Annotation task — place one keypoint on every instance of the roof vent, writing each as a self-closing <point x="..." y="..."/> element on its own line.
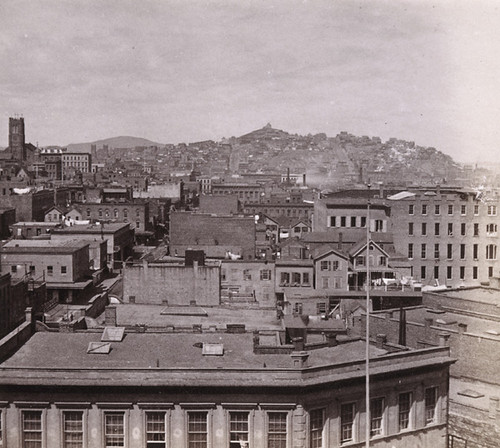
<point x="113" y="334"/>
<point x="212" y="349"/>
<point x="98" y="348"/>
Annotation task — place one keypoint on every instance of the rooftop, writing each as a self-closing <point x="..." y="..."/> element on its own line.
<point x="93" y="228"/>
<point x="175" y="360"/>
<point x="43" y="246"/>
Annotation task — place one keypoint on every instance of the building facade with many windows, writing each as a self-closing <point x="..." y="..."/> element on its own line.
<point x="76" y="390"/>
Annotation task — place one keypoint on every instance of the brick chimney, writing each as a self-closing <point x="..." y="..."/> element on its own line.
<point x="299" y="359"/>
<point x="110" y="316"/>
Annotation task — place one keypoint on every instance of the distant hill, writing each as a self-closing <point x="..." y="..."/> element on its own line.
<point x="123" y="141"/>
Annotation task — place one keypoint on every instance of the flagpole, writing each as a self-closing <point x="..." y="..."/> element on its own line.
<point x="367" y="331"/>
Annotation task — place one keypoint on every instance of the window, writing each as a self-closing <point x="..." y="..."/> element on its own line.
<point x="410" y="228"/>
<point x="404" y="403"/>
<point x="285" y="279"/>
<point x="360" y="260"/>
<point x="353" y="221"/>
<point x="114" y="429"/>
<point x="156" y="429"/>
<point x="476" y="209"/>
<point x="197" y="432"/>
<point x="462" y="229"/>
<point x="325" y="266"/>
<point x="437" y="209"/>
<point x="32" y="429"/>
<point x="450" y="209"/>
<point x="492" y="210"/>
<point x="382" y="260"/>
<point x="238" y="429"/>
<point x="377" y="416"/>
<point x="335" y="265"/>
<point x="476" y="229"/>
<point x="297" y="308"/>
<point x="13" y="268"/>
<point x="305" y="278"/>
<point x="125" y="213"/>
<point x="363" y="221"/>
<point x="64" y="270"/>
<point x="449" y="251"/>
<point x="490" y="271"/>
<point x="379" y="225"/>
<point x="436" y="250"/>
<point x="462" y="251"/>
<point x="423" y="252"/>
<point x="424" y="229"/>
<point x="436" y="272"/>
<point x="422" y="272"/>
<point x="463" y="210"/>
<point x="50" y="270"/>
<point x="333" y="221"/>
<point x="450" y="229"/>
<point x="295" y="278"/>
<point x="325" y="282"/>
<point x="410" y="250"/>
<point x="491" y="229"/>
<point x="317" y="421"/>
<point x="424" y="209"/>
<point x="247" y="275"/>
<point x="411" y="209"/>
<point x="430" y="405"/>
<point x="72" y="429"/>
<point x="342" y="221"/>
<point x="475" y="272"/>
<point x="449" y="272"/>
<point x="475" y="251"/>
<point x="265" y="274"/>
<point x="436" y="229"/>
<point x="491" y="252"/>
<point x="347" y="415"/>
<point x="276" y="431"/>
<point x="321" y="308"/>
<point x="115" y="213"/>
<point x="462" y="272"/>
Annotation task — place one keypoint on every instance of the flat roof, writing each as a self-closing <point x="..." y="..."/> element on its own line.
<point x="187" y="316"/>
<point x="490" y="296"/>
<point x="42" y="246"/>
<point x="176" y="360"/>
<point x="93" y="228"/>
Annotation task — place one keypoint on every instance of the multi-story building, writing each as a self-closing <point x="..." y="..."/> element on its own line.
<point x="219" y="389"/>
<point x="7" y="219"/>
<point x="64" y="265"/>
<point x="119" y="237"/>
<point x="450" y="236"/>
<point x="76" y="161"/>
<point x="135" y="213"/>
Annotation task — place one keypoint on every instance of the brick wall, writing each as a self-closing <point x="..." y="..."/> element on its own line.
<point x="171" y="284"/>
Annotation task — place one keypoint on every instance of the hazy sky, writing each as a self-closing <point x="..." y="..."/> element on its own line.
<point x="175" y="71"/>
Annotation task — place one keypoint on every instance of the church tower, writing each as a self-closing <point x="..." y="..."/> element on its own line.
<point x="16" y="139"/>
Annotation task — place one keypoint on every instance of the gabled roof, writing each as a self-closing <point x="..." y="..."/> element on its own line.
<point x="361" y="245"/>
<point x="325" y="251"/>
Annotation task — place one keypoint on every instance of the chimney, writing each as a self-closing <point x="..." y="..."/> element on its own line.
<point x="381" y="190"/>
<point x="110" y="316"/>
<point x="462" y="328"/>
<point x="428" y="322"/>
<point x="304" y="179"/>
<point x="381" y="340"/>
<point x="402" y="326"/>
<point x="299" y="359"/>
<point x="443" y="339"/>
<point x="298" y="344"/>
<point x="29" y="315"/>
<point x="331" y="339"/>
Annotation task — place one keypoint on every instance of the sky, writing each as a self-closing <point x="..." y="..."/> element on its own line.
<point x="190" y="70"/>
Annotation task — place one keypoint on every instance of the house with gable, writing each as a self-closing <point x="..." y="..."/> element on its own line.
<point x="331" y="269"/>
<point x="376" y="259"/>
